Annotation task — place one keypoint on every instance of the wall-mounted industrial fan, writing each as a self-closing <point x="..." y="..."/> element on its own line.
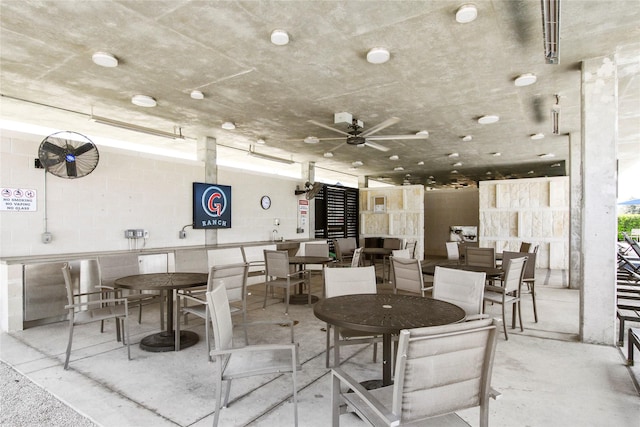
<point x="68" y="154"/>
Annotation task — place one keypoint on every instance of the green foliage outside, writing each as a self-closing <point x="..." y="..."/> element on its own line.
<point x="626" y="222"/>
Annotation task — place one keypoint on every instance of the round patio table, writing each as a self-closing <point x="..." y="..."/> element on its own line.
<point x="302" y="260"/>
<point x="164" y="341"/>
<point x="386" y="314"/>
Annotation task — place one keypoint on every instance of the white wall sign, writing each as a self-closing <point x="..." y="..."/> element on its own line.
<point x="18" y="199"/>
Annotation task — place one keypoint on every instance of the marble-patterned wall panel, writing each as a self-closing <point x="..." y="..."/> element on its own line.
<point x="395" y="200"/>
<point x="524" y="224"/>
<point x="406" y="224"/>
<point x="535" y="190"/>
<point x="512" y="222"/>
<point x="560" y="223"/>
<point x="414" y="198"/>
<point x="487" y="196"/>
<point x="503" y="196"/>
<point x="489" y="222"/>
<point x="558" y="193"/>
<point x="375" y="224"/>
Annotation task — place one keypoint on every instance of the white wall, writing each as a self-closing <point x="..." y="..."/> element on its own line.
<point x="130" y="190"/>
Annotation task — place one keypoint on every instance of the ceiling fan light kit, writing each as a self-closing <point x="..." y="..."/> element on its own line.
<point x="311" y="140"/>
<point x="104" y="59"/>
<point x="378" y="55"/>
<point x="143" y="101"/>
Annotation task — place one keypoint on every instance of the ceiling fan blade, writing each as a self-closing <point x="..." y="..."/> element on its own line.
<point x="338" y="138"/>
<point x="48" y="146"/>
<point x="83" y="149"/>
<point x="376" y="146"/>
<point x="71" y="168"/>
<point x="328" y="127"/>
<point x="389" y="137"/>
<point x="380" y="126"/>
<point x="338" y="146"/>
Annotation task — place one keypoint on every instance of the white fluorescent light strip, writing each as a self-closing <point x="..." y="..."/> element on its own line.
<point x="268" y="157"/>
<point x="135" y="128"/>
<point x="551" y="30"/>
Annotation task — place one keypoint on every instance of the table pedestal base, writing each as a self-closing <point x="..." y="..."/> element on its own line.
<point x="302" y="299"/>
<point x="164" y="341"/>
<point x="372" y="384"/>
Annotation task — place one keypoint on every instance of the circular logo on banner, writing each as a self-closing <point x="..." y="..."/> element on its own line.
<point x="214" y="202"/>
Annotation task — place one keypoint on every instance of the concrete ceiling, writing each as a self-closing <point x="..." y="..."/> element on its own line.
<point x="441" y="77"/>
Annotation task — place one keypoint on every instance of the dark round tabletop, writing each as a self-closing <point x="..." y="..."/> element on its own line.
<point x="386" y="313"/>
<point x="162" y="281"/>
<point x="490" y="271"/>
<point x="377" y="251"/>
<point x="307" y="259"/>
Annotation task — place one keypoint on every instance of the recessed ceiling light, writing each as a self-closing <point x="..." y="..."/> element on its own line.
<point x="525" y="79"/>
<point x="143" y="101"/>
<point x="378" y="55"/>
<point x="467" y="138"/>
<point x="328" y="154"/>
<point x="398" y="168"/>
<point x="536" y="136"/>
<point x="457" y="164"/>
<point x="196" y="94"/>
<point x="491" y="118"/>
<point x="357" y="163"/>
<point x="423" y="133"/>
<point x="496" y="154"/>
<point x="311" y="140"/>
<point x="452" y="155"/>
<point x="104" y="59"/>
<point x="546" y="155"/>
<point x="420" y="163"/>
<point x="279" y="37"/>
<point x="260" y="141"/>
<point x="466" y="13"/>
<point x="228" y="125"/>
<point x="394" y="157"/>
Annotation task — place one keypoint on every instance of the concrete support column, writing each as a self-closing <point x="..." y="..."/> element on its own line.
<point x="599" y="135"/>
<point x="576" y="196"/>
<point x="308" y="171"/>
<point x="363" y="181"/>
<point x="207" y="152"/>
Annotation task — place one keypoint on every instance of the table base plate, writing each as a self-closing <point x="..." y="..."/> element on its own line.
<point x="164" y="341"/>
<point x="301" y="299"/>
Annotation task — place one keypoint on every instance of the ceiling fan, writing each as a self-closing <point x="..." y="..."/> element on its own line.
<point x="357" y="136"/>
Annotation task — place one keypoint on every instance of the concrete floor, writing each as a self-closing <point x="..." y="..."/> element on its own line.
<point x="546" y="377"/>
